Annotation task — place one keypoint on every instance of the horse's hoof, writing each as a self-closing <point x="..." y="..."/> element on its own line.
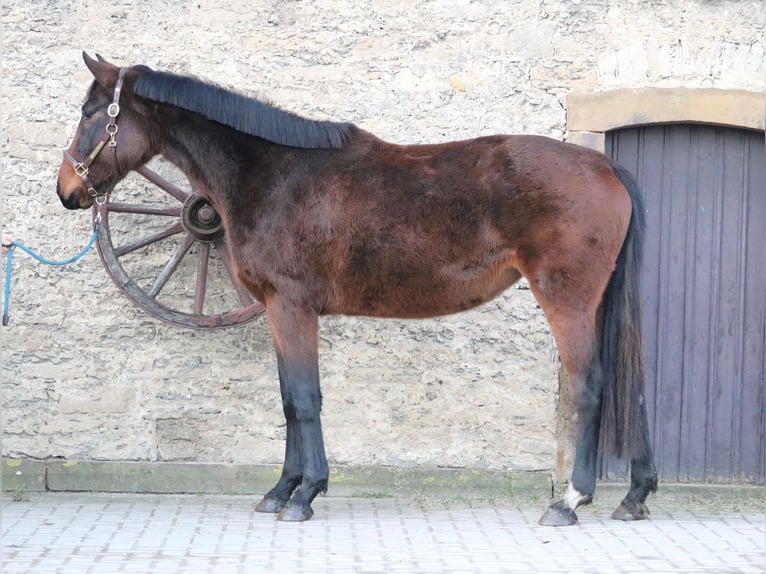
<point x="558" y="515"/>
<point x="295" y="513"/>
<point x="628" y="512"/>
<point x="269" y="505"/>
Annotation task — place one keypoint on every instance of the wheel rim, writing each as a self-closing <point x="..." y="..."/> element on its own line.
<point x="172" y="241"/>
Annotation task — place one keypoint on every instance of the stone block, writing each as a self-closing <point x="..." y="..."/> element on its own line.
<point x="23" y="475"/>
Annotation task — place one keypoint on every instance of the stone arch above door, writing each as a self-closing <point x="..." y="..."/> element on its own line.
<point x="591" y="114"/>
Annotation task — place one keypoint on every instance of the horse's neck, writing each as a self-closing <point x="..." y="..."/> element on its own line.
<point x="216" y="160"/>
<point x="203" y="156"/>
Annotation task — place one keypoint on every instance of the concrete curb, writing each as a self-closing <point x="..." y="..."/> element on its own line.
<point x="201" y="478"/>
<point x="22" y="476"/>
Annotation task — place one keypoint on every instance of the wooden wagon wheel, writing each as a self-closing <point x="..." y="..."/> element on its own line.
<point x="182" y="233"/>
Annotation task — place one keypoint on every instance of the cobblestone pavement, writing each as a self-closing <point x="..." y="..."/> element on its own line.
<point x="105" y="533"/>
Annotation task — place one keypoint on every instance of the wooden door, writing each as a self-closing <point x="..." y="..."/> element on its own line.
<point x="703" y="297"/>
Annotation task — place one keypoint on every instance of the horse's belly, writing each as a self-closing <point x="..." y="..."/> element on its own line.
<point x="478" y="287"/>
<point x="449" y="290"/>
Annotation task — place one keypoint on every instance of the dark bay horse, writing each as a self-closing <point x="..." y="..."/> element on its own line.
<point x="325" y="218"/>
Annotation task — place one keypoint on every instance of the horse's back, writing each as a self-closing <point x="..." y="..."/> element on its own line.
<point x="534" y="175"/>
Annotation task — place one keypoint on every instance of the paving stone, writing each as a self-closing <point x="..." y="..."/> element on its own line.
<point x="79" y="533"/>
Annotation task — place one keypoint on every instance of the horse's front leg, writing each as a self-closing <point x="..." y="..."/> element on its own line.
<point x="292" y="470"/>
<point x="305" y="472"/>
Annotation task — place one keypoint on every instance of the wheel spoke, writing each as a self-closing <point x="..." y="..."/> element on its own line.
<point x="201" y="229"/>
<point x="145" y="209"/>
<point x="167" y="232"/>
<point x="201" y="285"/>
<point x="243" y="294"/>
<point x="163" y="184"/>
<point x="171" y="266"/>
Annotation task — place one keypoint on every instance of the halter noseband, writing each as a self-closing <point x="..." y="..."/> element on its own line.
<point x="81" y="168"/>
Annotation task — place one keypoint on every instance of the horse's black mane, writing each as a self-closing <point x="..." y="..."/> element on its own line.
<point x="240" y="112"/>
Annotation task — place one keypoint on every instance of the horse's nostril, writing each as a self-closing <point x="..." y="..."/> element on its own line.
<point x="70" y="202"/>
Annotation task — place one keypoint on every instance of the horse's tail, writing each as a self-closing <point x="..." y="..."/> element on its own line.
<point x="621" y="349"/>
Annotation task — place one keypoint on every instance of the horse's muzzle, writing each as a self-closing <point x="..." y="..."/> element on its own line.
<point x="73" y="200"/>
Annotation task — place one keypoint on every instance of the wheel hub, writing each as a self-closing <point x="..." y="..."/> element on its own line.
<point x="201" y="221"/>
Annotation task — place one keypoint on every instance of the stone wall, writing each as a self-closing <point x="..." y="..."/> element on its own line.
<point x="87" y="375"/>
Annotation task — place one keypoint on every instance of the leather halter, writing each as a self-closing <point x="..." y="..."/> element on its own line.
<point x="81" y="168"/>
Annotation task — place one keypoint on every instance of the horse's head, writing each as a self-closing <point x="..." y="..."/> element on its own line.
<point x="112" y="137"/>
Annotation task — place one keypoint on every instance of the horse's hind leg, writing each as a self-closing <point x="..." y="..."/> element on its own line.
<point x="643" y="478"/>
<point x="582" y="482"/>
<point x="574" y="332"/>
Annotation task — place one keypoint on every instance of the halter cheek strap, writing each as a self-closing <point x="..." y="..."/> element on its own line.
<point x="82" y="168"/>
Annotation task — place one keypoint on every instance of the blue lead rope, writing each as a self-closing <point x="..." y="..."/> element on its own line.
<point x="41" y="259"/>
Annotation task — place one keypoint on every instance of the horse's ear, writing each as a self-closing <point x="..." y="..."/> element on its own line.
<point x="100" y="58"/>
<point x="104" y="72"/>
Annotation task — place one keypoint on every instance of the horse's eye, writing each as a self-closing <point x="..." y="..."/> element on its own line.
<point x="88" y="110"/>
